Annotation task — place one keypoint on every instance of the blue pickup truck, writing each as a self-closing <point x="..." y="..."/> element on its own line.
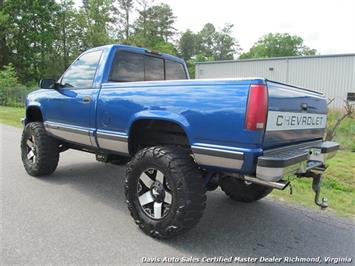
<point x="180" y="137"/>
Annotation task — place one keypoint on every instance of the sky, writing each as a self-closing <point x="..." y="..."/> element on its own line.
<point x="325" y="25"/>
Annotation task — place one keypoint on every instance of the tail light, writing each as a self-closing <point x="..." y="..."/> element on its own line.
<point x="255" y="118"/>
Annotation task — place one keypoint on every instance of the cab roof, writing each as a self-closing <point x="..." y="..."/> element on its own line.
<point x="138" y="50"/>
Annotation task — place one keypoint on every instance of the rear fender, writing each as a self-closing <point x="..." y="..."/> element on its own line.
<point x="163" y="115"/>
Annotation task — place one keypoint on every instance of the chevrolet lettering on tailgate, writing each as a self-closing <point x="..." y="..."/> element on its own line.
<point x="292" y="121"/>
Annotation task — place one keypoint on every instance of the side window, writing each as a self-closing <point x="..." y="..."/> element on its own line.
<point x="127" y="67"/>
<point x="174" y="70"/>
<point x="154" y="68"/>
<point x="82" y="72"/>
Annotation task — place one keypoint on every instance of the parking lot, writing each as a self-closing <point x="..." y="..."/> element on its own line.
<point x="79" y="216"/>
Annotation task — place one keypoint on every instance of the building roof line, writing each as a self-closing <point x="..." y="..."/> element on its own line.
<point x="277" y="58"/>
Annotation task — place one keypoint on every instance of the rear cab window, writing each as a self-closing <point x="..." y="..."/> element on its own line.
<point x="174" y="70"/>
<point x="154" y="68"/>
<point x="129" y="67"/>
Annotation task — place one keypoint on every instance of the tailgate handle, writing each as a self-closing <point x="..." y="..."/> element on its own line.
<point x="86" y="99"/>
<point x="304" y="106"/>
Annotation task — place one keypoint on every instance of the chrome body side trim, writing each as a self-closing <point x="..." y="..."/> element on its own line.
<point x="218" y="157"/>
<point x="92" y="138"/>
<point x="68" y="132"/>
<point x="113" y="141"/>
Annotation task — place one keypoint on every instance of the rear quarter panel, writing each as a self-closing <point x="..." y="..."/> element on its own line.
<point x="210" y="112"/>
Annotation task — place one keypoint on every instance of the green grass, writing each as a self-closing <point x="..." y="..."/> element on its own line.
<point x="345" y="133"/>
<point x="11" y="115"/>
<point x="338" y="185"/>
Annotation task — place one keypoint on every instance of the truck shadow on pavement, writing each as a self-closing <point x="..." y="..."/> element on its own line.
<point x="264" y="228"/>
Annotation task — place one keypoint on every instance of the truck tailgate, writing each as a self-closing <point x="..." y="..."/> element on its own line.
<point x="295" y="115"/>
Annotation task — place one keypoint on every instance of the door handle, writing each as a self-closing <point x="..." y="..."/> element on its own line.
<point x="86" y="99"/>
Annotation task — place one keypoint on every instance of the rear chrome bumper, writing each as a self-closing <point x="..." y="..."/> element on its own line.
<point x="294" y="160"/>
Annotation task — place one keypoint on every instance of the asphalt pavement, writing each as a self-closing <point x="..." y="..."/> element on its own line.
<point x="78" y="215"/>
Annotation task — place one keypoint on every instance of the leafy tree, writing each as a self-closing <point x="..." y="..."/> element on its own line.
<point x="155" y="24"/>
<point x="29" y="35"/>
<point x="278" y="44"/>
<point x="207" y="45"/>
<point x="225" y="46"/>
<point x="94" y="20"/>
<point x="154" y="28"/>
<point x="36" y="33"/>
<point x="3" y="28"/>
<point x="8" y="77"/>
<point x="143" y="13"/>
<point x="165" y="21"/>
<point x="70" y="38"/>
<point x="11" y="90"/>
<point x="187" y="45"/>
<point x="126" y="7"/>
<point x="205" y="40"/>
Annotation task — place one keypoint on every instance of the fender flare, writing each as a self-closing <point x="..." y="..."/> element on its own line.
<point x="163" y="116"/>
<point x="33" y="105"/>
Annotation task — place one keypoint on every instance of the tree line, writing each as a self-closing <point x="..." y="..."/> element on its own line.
<point x="40" y="38"/>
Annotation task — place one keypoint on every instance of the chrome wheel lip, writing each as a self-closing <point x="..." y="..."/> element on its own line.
<point x="154" y="196"/>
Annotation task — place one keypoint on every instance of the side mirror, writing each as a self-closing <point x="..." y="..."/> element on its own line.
<point x="46" y="83"/>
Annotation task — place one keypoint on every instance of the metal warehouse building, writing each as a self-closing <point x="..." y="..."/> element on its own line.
<point x="333" y="75"/>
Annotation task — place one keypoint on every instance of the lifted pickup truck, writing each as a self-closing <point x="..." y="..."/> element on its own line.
<point x="180" y="137"/>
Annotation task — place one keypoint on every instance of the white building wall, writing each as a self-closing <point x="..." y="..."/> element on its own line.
<point x="224" y="70"/>
<point x="332" y="75"/>
<point x="262" y="69"/>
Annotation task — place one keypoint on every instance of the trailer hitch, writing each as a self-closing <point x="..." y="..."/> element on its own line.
<point x="323" y="204"/>
<point x="316" y="183"/>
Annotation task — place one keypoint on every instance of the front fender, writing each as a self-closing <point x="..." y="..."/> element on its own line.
<point x="33" y="104"/>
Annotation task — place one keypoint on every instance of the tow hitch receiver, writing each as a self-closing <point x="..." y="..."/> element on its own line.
<point x="316" y="184"/>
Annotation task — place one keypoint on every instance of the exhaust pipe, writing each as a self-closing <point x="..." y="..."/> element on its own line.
<point x="281" y="184"/>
